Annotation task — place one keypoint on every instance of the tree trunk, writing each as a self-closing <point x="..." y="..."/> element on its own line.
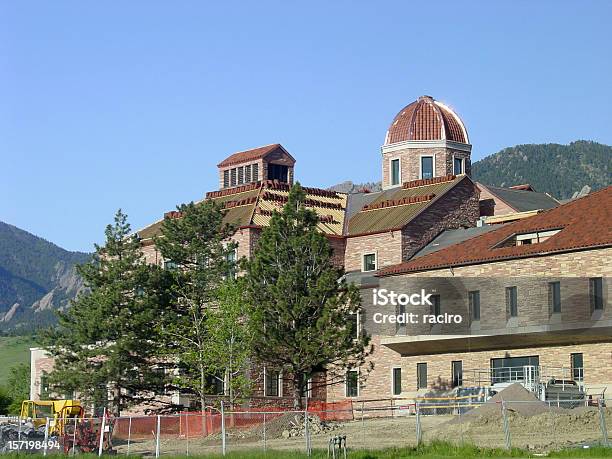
<point x="297" y="392"/>
<point x="202" y="388"/>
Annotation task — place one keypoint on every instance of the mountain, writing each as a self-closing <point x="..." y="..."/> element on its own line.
<point x="559" y="170"/>
<point x="36" y="277"/>
<point x="563" y="171"/>
<point x="350" y="187"/>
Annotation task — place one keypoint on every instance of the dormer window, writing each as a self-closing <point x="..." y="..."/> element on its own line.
<point x="535" y="237"/>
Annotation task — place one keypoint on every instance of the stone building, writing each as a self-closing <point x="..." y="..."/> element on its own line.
<point x="422" y="231"/>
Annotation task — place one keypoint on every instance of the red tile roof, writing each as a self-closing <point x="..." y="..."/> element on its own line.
<point x="249" y="155"/>
<point x="585" y="222"/>
<point x="426" y="119"/>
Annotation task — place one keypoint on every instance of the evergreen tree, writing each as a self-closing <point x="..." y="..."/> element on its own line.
<point x="301" y="304"/>
<point x="197" y="259"/>
<point x="105" y="348"/>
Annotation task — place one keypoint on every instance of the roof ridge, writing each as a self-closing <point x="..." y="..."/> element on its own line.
<point x="427" y="182"/>
<point x="408" y="200"/>
<point x="258" y="148"/>
<point x="233" y="190"/>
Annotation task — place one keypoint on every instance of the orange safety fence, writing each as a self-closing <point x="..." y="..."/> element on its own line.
<point x="332" y="411"/>
<point x="201" y="424"/>
<point x="143" y="427"/>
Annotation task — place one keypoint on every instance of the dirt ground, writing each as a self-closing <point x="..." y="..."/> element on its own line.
<point x="533" y="425"/>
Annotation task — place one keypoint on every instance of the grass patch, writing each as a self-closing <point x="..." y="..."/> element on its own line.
<point x="13" y="351"/>
<point x="433" y="450"/>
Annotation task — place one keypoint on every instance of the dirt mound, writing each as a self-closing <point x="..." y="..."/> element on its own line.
<point x="284" y="425"/>
<point x="518" y="401"/>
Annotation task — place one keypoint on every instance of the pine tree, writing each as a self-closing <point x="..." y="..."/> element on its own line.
<point x="104" y="348"/>
<point x="301" y="304"/>
<point x="197" y="253"/>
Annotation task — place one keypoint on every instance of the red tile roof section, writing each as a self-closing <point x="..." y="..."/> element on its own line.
<point x="248" y="155"/>
<point x="586" y="223"/>
<point x="425" y="119"/>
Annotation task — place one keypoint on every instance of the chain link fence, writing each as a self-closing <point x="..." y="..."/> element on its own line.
<point x="367" y="424"/>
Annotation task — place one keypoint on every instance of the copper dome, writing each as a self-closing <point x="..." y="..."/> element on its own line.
<point x="426" y="119"/>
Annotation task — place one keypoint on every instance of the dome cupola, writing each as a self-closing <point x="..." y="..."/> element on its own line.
<point x="426" y="119"/>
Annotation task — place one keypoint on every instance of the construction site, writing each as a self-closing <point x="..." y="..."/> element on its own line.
<point x="512" y="417"/>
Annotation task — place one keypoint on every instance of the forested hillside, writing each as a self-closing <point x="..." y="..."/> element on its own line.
<point x="36" y="277"/>
<point x="560" y="170"/>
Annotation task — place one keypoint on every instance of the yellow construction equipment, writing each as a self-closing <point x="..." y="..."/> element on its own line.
<point x="56" y="411"/>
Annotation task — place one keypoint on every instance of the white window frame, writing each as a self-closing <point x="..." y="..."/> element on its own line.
<point x="346" y="383"/>
<point x="280" y="384"/>
<point x="363" y="255"/>
<point x="433" y="159"/>
<point x="308" y="391"/>
<point x="399" y="159"/>
<point x="462" y="159"/>
<point x="393" y="368"/>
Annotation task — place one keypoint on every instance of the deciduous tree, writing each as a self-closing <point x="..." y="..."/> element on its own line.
<point x="197" y="255"/>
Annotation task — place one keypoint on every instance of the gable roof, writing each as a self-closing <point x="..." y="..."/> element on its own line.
<point x="584" y="223"/>
<point x="522" y="200"/>
<point x="393" y="209"/>
<point x="254" y="204"/>
<point x="252" y="155"/>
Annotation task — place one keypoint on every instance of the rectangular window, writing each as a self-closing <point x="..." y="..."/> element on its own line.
<point x="44" y="386"/>
<point x="247" y="174"/>
<point x="353" y="323"/>
<point x="255" y="172"/>
<point x="427" y="167"/>
<point x="511" y="302"/>
<point x="458" y="166"/>
<point x="306" y="386"/>
<point x="369" y="262"/>
<point x="457" y="372"/>
<point x="554" y="297"/>
<point x="170" y="265"/>
<point x="240" y="175"/>
<point x="397" y="381"/>
<point x="474" y="298"/>
<point x="435" y="308"/>
<point x="233" y="177"/>
<point x="278" y="172"/>
<point x="272" y="383"/>
<point x="216" y="384"/>
<point x="596" y="293"/>
<point x="513" y="369"/>
<point x="421" y="376"/>
<point x="230" y="257"/>
<point x="577" y="366"/>
<point x="226" y="178"/>
<point x="352" y="383"/>
<point x="395" y="172"/>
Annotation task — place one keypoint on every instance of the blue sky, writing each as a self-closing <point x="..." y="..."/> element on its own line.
<point x="132" y="104"/>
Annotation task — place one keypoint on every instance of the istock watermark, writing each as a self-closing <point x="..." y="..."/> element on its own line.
<point x="383" y="297"/>
<point x="413" y="318"/>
